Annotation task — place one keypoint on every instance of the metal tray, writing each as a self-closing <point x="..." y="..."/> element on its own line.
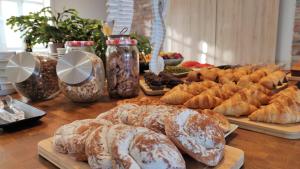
<point x="32" y="115"/>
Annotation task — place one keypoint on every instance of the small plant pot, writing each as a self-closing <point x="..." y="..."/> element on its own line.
<point x="53" y="47"/>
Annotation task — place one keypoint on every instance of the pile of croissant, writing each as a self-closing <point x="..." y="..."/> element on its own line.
<point x="143" y="136"/>
<point x="269" y="76"/>
<point x="255" y="101"/>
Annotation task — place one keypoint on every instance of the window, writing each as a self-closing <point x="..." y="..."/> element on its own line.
<point x="10" y="40"/>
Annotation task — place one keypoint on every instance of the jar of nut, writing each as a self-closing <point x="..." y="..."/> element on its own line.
<point x="33" y="75"/>
<point x="81" y="76"/>
<point x="122" y="66"/>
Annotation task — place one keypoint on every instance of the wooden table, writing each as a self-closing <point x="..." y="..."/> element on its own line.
<point x="18" y="149"/>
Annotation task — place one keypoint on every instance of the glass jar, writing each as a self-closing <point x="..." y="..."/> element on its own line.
<point x="86" y="46"/>
<point x="122" y="67"/>
<point x="33" y="76"/>
<point x="81" y="76"/>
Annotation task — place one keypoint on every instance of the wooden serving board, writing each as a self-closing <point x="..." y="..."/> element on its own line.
<point x="148" y="91"/>
<point x="233" y="159"/>
<point x="289" y="131"/>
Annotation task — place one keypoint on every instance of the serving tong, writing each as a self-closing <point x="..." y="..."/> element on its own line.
<point x="8" y="112"/>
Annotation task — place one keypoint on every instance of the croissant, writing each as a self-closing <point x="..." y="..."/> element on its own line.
<point x="277" y="112"/>
<point x="196" y="88"/>
<point x="272" y="79"/>
<point x="219" y="92"/>
<point x="232" y="107"/>
<point x="209" y="84"/>
<point x="253" y="97"/>
<point x="203" y="101"/>
<point x="257" y="75"/>
<point x="291" y="92"/>
<point x="232" y="87"/>
<point x="176" y="97"/>
<point x="226" y="78"/>
<point x="244" y="81"/>
<point x="194" y="76"/>
<point x="208" y="74"/>
<point x="259" y="87"/>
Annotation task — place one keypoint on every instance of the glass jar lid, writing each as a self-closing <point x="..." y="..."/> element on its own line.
<point x="79" y="43"/>
<point x="74" y="67"/>
<point x="120" y="40"/>
<point x="20" y="67"/>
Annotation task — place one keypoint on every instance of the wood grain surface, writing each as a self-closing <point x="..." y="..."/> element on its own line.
<point x="233" y="158"/>
<point x="18" y="149"/>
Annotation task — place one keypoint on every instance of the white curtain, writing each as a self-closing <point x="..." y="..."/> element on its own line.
<point x="10" y="40"/>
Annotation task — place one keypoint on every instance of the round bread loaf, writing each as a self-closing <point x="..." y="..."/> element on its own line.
<point x="123" y="146"/>
<point x="218" y="118"/>
<point x="197" y="135"/>
<point x="71" y="138"/>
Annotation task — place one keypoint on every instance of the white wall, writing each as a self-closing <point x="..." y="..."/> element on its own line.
<point x="94" y="9"/>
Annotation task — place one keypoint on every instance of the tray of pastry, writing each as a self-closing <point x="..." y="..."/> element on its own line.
<point x="14" y="113"/>
<point x="280" y="116"/>
<point x="129" y="134"/>
<point x="289" y="131"/>
<point x="154" y="85"/>
<point x="233" y="158"/>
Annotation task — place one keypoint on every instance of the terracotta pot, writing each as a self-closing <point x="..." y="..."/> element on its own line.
<point x="53" y="47"/>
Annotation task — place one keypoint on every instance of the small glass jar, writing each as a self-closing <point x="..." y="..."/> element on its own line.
<point x="122" y="67"/>
<point x="86" y="46"/>
<point x="81" y="76"/>
<point x="33" y="76"/>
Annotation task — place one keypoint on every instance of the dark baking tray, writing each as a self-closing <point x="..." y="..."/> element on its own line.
<point x="32" y="115"/>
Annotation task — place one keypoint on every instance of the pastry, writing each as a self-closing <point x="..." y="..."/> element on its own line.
<point x="197" y="135"/>
<point x="222" y="93"/>
<point x="232" y="107"/>
<point x="196" y="88"/>
<point x="244" y="81"/>
<point x="283" y="112"/>
<point x="194" y="76"/>
<point x="203" y="101"/>
<point x="71" y="138"/>
<point x="273" y="79"/>
<point x="291" y="92"/>
<point x="176" y="97"/>
<point x="218" y="118"/>
<point x="251" y="96"/>
<point x="257" y="75"/>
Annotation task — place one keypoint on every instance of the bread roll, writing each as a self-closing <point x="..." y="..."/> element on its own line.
<point x="123" y="146"/>
<point x="71" y="138"/>
<point x="197" y="135"/>
<point x="219" y="119"/>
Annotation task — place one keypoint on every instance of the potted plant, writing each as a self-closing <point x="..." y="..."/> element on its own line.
<point x="42" y="27"/>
